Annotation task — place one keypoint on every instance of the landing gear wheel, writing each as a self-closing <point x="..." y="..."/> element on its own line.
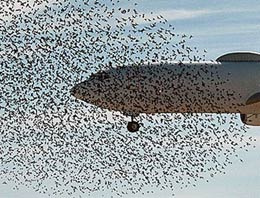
<point x="133" y="126"/>
<point x="243" y="118"/>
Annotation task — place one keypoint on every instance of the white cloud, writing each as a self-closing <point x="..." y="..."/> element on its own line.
<point x="173" y="14"/>
<point x="182" y="14"/>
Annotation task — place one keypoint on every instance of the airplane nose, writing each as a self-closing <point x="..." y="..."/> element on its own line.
<point x="92" y="90"/>
<point x="78" y="91"/>
<point x="83" y="91"/>
<point x="73" y="91"/>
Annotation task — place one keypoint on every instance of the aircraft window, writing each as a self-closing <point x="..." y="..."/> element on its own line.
<point x="101" y="75"/>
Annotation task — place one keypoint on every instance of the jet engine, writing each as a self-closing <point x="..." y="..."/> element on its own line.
<point x="250" y="119"/>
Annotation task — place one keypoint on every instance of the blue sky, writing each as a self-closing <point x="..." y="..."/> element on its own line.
<point x="219" y="26"/>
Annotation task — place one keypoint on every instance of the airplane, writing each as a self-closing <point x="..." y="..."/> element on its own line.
<point x="231" y="84"/>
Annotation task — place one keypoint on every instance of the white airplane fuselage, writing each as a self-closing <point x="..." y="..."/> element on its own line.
<point x="207" y="87"/>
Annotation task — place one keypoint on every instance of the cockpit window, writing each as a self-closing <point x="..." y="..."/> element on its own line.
<point x="101" y="75"/>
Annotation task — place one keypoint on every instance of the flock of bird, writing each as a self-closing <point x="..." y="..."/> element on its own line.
<point x="57" y="145"/>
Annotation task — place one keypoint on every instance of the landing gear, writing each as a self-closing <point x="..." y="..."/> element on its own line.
<point x="243" y="118"/>
<point x="133" y="126"/>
